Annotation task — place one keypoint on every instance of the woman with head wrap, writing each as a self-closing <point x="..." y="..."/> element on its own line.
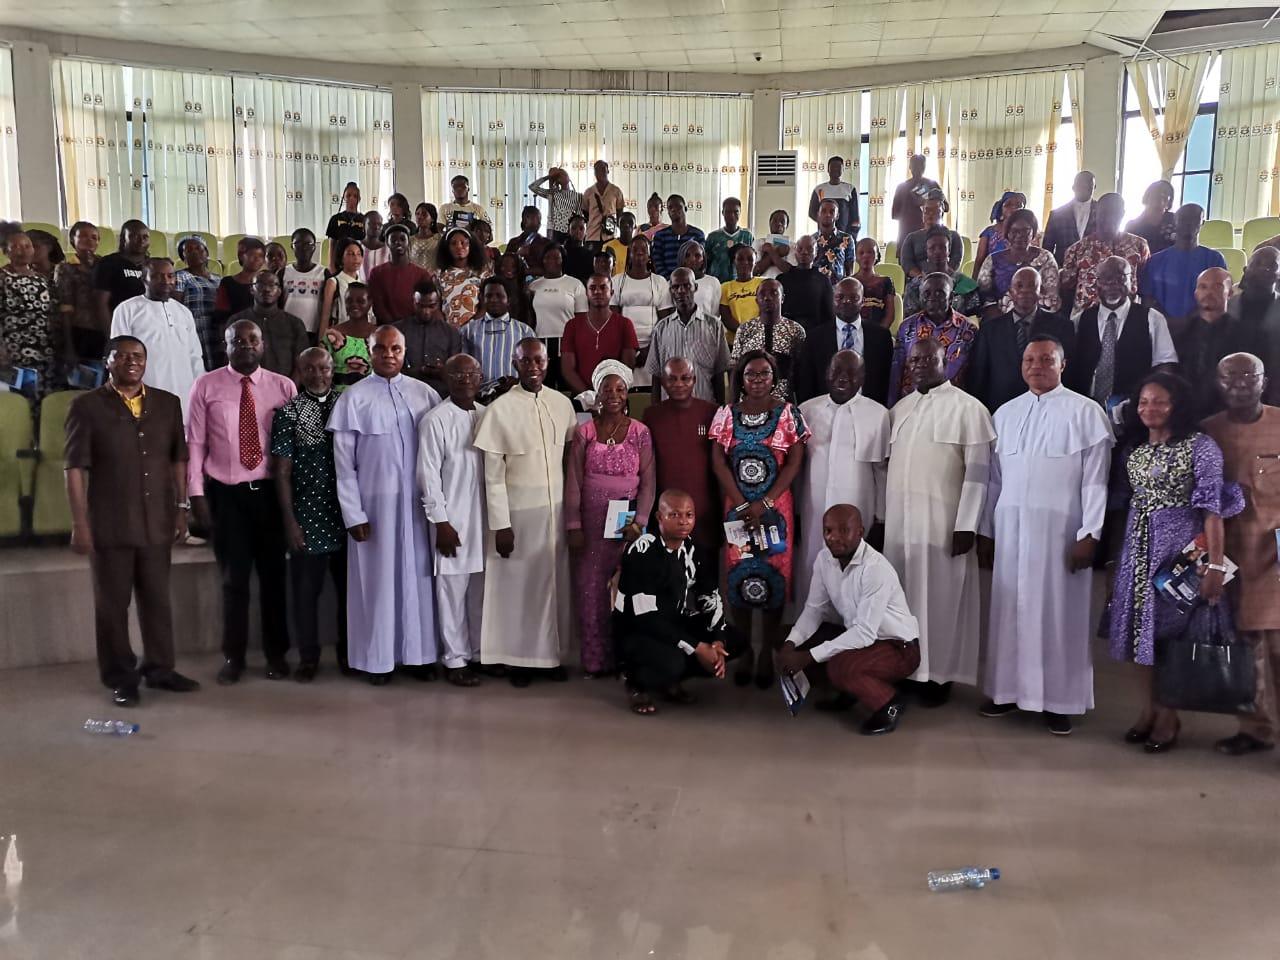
<point x="992" y="239"/>
<point x="611" y="459"/>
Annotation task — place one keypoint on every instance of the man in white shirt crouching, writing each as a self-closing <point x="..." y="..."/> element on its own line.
<point x="856" y="621"/>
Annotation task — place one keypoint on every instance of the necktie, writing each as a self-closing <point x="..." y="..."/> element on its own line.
<point x="250" y="442"/>
<point x="847" y="342"/>
<point x="1104" y="375"/>
<point x="1022" y="330"/>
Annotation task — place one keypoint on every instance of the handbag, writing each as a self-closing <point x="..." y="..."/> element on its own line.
<point x="1206" y="667"/>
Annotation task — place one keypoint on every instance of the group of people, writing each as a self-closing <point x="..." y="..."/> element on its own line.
<point x="471" y="480"/>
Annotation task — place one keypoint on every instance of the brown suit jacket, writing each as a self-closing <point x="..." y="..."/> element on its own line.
<point x="132" y="496"/>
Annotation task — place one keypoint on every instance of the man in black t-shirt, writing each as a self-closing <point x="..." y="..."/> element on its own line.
<point x="118" y="276"/>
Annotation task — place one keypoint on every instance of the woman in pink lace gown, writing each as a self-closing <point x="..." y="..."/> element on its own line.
<point x="611" y="459"/>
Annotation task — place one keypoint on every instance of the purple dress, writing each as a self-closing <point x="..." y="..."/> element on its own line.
<point x="600" y="472"/>
<point x="1172" y="486"/>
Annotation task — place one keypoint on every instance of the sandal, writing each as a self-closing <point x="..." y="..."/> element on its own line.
<point x="461" y="676"/>
<point x="641" y="704"/>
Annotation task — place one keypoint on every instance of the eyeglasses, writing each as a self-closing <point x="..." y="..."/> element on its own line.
<point x="1240" y="379"/>
<point x="761" y="375"/>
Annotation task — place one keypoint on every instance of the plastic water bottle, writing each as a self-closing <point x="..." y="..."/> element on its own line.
<point x="115" y="728"/>
<point x="941" y="881"/>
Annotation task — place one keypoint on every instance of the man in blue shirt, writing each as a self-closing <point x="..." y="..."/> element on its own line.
<point x="492" y="339"/>
<point x="665" y="251"/>
<point x="1168" y="279"/>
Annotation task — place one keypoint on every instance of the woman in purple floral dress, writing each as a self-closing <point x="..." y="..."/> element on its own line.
<point x="1173" y="478"/>
<point x="611" y="459"/>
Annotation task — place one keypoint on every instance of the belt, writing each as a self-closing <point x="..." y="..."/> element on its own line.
<point x="250" y="485"/>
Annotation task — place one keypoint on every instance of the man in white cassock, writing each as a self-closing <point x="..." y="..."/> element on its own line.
<point x="845" y="460"/>
<point x="524" y="435"/>
<point x="1046" y="500"/>
<point x="390" y="596"/>
<point x="939" y="458"/>
<point x="451" y="478"/>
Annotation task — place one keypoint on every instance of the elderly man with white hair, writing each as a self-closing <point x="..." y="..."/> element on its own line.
<point x="391" y="617"/>
<point x="609" y="493"/>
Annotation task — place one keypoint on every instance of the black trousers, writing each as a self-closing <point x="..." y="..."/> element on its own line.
<point x="307" y="572"/>
<point x="248" y="535"/>
<point x="117" y="572"/>
<point x="651" y="662"/>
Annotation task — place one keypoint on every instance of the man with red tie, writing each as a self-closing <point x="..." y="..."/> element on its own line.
<point x="228" y="435"/>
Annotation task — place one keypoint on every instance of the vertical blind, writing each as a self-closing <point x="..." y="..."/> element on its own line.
<point x="10" y="201"/>
<point x="1246" y="154"/>
<point x="697" y="146"/>
<point x="224" y="154"/>
<point x="982" y="136"/>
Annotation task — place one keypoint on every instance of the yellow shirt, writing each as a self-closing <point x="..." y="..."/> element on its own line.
<point x="740" y="297"/>
<point x="133" y="403"/>
<point x="619" y="256"/>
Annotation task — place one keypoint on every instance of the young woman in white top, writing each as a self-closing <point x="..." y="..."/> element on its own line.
<point x="304" y="281"/>
<point x="333" y="303"/>
<point x="706" y="287"/>
<point x="554" y="298"/>
<point x="643" y="297"/>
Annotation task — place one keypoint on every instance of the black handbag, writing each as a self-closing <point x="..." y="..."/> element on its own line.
<point x="1206" y="667"/>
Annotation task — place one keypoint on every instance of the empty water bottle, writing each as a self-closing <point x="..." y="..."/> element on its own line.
<point x="115" y="728"/>
<point x="976" y="877"/>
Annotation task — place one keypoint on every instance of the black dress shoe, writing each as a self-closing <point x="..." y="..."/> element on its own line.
<point x="277" y="669"/>
<point x="519" y="677"/>
<point x="558" y="675"/>
<point x="125" y="696"/>
<point x="935" y="694"/>
<point x="1163" y="746"/>
<point x="993" y="709"/>
<point x="379" y="679"/>
<point x="306" y="672"/>
<point x="422" y="672"/>
<point x="1058" y="724"/>
<point x="173" y="681"/>
<point x="1241" y="744"/>
<point x="884" y="720"/>
<point x="230" y="673"/>
<point x="1137" y="735"/>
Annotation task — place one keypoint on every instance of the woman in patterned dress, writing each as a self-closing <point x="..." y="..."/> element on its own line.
<point x="460" y="266"/>
<point x="993" y="239"/>
<point x="1173" y="480"/>
<point x="996" y="275"/>
<point x="611" y="459"/>
<point x="773" y="334"/>
<point x="757" y="451"/>
<point x="26" y="314"/>
<point x="422" y="245"/>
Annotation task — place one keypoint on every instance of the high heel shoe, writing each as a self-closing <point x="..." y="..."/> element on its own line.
<point x="1137" y="735"/>
<point x="1163" y="746"/>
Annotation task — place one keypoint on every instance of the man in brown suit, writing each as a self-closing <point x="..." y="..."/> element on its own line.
<point x="126" y="471"/>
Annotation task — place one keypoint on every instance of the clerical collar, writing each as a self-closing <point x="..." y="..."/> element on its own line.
<point x="318" y="397"/>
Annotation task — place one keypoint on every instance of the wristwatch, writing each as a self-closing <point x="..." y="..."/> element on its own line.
<point x="1220" y="567"/>
<point x="768" y="504"/>
<point x="183" y="504"/>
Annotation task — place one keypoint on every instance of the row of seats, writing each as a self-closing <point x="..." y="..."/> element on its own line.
<point x="31" y="465"/>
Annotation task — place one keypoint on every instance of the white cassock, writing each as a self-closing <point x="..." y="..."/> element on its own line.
<point x="1048" y="490"/>
<point x="451" y="478"/>
<point x="527" y="616"/>
<point x="939" y="458"/>
<point x="844" y="462"/>
<point x="390" y="595"/>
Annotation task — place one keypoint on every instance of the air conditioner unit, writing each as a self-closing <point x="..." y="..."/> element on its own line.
<point x="775" y="188"/>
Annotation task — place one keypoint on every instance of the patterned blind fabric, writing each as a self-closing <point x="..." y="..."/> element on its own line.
<point x="697" y="146"/>
<point x="219" y="153"/>
<point x="10" y="200"/>
<point x="1246" y="154"/>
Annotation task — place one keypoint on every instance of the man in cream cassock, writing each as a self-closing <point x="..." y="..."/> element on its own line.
<point x="390" y="596"/>
<point x="846" y="458"/>
<point x="939" y="457"/>
<point x="451" y="478"/>
<point x="1046" y="500"/>
<point x="524" y="435"/>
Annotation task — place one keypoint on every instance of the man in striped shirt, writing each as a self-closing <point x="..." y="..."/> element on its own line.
<point x="562" y="200"/>
<point x="492" y="339"/>
<point x="692" y="334"/>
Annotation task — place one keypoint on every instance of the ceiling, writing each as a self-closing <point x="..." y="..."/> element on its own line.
<point x="721" y="36"/>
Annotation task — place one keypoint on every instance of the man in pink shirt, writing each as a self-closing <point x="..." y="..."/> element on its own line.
<point x="228" y="436"/>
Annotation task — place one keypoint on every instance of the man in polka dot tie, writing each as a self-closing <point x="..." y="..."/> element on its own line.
<point x="228" y="431"/>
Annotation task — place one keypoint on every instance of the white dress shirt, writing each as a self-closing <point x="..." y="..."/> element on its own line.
<point x="1162" y="349"/>
<point x="175" y="358"/>
<point x="866" y="597"/>
<point x="1081" y="209"/>
<point x="859" y="340"/>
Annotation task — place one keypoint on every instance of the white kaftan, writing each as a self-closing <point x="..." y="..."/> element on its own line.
<point x="1048" y="490"/>
<point x="451" y="479"/>
<point x="940" y="452"/>
<point x="527" y="616"/>
<point x="390" y="594"/>
<point x="844" y="463"/>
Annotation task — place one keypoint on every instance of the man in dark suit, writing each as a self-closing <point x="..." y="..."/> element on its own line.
<point x="995" y="372"/>
<point x="847" y="332"/>
<point x="126" y="472"/>
<point x="1072" y="221"/>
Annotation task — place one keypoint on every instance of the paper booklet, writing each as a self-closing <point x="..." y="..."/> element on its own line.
<point x="1179" y="579"/>
<point x="617" y="516"/>
<point x="765" y="540"/>
<point x="795" y="691"/>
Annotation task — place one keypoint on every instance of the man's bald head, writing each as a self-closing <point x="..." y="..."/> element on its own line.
<point x="676" y="516"/>
<point x="459" y="363"/>
<point x="1213" y="290"/>
<point x="386" y="351"/>
<point x="842" y="531"/>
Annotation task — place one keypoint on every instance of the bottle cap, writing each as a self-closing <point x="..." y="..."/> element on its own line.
<point x="995" y="873"/>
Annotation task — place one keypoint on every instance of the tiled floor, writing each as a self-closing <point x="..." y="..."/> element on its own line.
<point x="339" y="822"/>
